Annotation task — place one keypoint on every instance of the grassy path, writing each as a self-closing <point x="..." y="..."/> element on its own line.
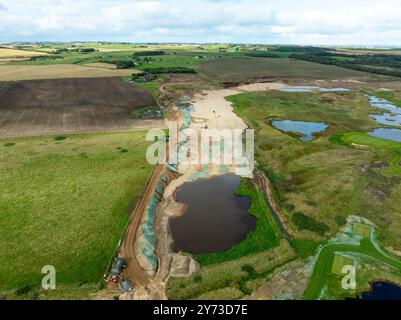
<point x="66" y="203"/>
<point x="359" y="185"/>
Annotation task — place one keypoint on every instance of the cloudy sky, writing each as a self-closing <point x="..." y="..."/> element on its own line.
<point x="340" y="22"/>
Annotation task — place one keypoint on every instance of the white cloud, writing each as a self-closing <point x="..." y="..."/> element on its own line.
<point x="262" y="21"/>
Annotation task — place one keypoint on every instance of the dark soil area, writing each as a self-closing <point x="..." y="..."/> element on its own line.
<point x="70" y="105"/>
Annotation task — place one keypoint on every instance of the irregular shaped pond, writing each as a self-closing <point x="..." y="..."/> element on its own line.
<point x="388" y="119"/>
<point x="334" y="90"/>
<point x="387" y="133"/>
<point x="307" y="129"/>
<point x="382" y="291"/>
<point x="215" y="219"/>
<point x="384" y="104"/>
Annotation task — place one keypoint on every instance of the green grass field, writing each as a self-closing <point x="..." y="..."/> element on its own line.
<point x="363" y="231"/>
<point x="66" y="202"/>
<point x="340" y="262"/>
<point x="171" y="60"/>
<point x="243" y="69"/>
<point x="302" y="172"/>
<point x="82" y="58"/>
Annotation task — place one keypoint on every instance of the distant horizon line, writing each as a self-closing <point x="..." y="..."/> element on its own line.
<point x="383" y="46"/>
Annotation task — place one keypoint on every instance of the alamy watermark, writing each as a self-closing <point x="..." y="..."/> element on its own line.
<point x="49" y="280"/>
<point x="231" y="147"/>
<point x="348" y="282"/>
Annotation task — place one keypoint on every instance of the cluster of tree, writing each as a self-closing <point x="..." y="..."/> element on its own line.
<point x="124" y="64"/>
<point x="61" y="50"/>
<point x="144" y="60"/>
<point x="262" y="54"/>
<point x="302" y="49"/>
<point x="303" y="222"/>
<point x="83" y="50"/>
<point x="372" y="64"/>
<point x="170" y="70"/>
<point x="148" y="53"/>
<point x="38" y="58"/>
<point x="143" y="77"/>
<point x="390" y="61"/>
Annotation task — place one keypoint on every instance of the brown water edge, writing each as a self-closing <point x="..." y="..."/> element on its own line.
<point x="215" y="219"/>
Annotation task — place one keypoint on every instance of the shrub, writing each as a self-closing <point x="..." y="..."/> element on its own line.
<point x="9" y="144"/>
<point x="148" y="53"/>
<point x="262" y="55"/>
<point x="198" y="278"/>
<point x="23" y="290"/>
<point x="340" y="220"/>
<point x="303" y="222"/>
<point x="59" y="138"/>
<point x="124" y="64"/>
<point x="249" y="270"/>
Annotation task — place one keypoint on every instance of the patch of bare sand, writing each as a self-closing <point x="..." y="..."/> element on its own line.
<point x="216" y="112"/>
<point x="347" y="81"/>
<point x="262" y="86"/>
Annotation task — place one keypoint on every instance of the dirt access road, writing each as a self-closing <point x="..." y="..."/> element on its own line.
<point x="134" y="271"/>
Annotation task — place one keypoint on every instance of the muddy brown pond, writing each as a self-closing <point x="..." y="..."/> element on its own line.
<point x="215" y="219"/>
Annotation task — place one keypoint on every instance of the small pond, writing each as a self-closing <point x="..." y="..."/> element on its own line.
<point x="384" y="104"/>
<point x="382" y="291"/>
<point x="215" y="220"/>
<point x="307" y="129"/>
<point x="387" y="133"/>
<point x="334" y="90"/>
<point x="388" y="119"/>
<point x="391" y="118"/>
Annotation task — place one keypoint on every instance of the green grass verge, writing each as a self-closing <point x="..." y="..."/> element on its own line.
<point x="242" y="69"/>
<point x="66" y="203"/>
